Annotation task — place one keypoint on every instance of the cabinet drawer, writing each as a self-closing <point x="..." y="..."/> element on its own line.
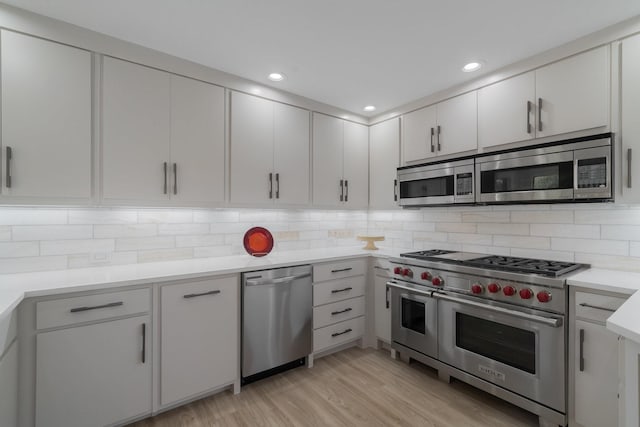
<point x="339" y="333"/>
<point x="68" y="311"/>
<point x="338" y="290"/>
<point x="595" y="306"/>
<point x="382" y="267"/>
<point x="337" y="312"/>
<point x="337" y="270"/>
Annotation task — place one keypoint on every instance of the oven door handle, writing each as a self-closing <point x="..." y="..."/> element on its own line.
<point x="549" y="321"/>
<point x="409" y="289"/>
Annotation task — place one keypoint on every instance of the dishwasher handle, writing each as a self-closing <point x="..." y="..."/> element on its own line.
<point x="276" y="281"/>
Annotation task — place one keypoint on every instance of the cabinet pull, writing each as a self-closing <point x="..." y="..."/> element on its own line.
<point x="175" y="178"/>
<point x="341" y="190"/>
<point x="581" y="350"/>
<point x="629" y="164"/>
<point x="528" y="116"/>
<point x="346" y="331"/>
<point x="164" y="166"/>
<point x="346" y="310"/>
<point x="432" y="146"/>
<point x="8" y="157"/>
<point x="342" y="269"/>
<point x="277" y="186"/>
<point x="337" y="291"/>
<point x="395" y="190"/>
<point x="438" y="139"/>
<point x="346" y="190"/>
<point x="584" y="304"/>
<point x="96" y="307"/>
<point x="270" y="185"/>
<point x="539" y="114"/>
<point x="386" y="297"/>
<point x="144" y="343"/>
<point x="187" y="296"/>
<point x="380" y="268"/>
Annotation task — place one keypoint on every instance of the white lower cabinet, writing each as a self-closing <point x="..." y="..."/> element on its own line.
<point x="9" y="387"/>
<point x="94" y="375"/>
<point x="382" y="310"/>
<point x="199" y="337"/>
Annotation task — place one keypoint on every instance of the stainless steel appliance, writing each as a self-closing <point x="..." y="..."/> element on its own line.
<point x="277" y="320"/>
<point x="495" y="322"/>
<point x="574" y="170"/>
<point x="437" y="183"/>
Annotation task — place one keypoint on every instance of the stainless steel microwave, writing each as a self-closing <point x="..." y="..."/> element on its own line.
<point x="437" y="183"/>
<point x="573" y="170"/>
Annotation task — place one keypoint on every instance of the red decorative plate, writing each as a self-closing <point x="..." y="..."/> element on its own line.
<point x="258" y="241"/>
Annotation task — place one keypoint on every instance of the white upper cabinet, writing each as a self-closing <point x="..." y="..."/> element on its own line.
<point x="162" y="137"/>
<point x="384" y="159"/>
<point x="630" y="130"/>
<point x="448" y="127"/>
<point x="573" y="94"/>
<point x="506" y="111"/>
<point x="46" y="120"/>
<point x="340" y="162"/>
<point x="269" y="152"/>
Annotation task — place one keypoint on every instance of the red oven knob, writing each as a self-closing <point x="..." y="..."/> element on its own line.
<point x="477" y="288"/>
<point x="493" y="288"/>
<point x="407" y="272"/>
<point x="526" y="293"/>
<point x="509" y="291"/>
<point x="425" y="275"/>
<point x="397" y="270"/>
<point x="437" y="281"/>
<point x="544" y="296"/>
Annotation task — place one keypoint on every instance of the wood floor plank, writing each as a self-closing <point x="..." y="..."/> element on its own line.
<point x="355" y="387"/>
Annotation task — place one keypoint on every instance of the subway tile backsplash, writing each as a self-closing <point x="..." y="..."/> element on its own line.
<point x="38" y="239"/>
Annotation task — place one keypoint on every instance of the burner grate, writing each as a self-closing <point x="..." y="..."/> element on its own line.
<point x="427" y="253"/>
<point x="525" y="265"/>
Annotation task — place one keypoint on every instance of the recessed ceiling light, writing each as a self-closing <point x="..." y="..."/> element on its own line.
<point x="276" y="77"/>
<point x="472" y="66"/>
<point x="369" y="108"/>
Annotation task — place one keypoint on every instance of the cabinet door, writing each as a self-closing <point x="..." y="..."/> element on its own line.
<point x="199" y="337"/>
<point x="9" y="387"/>
<point x="135" y="132"/>
<point x="328" y="137"/>
<point x="46" y="118"/>
<point x="356" y="165"/>
<point x="418" y="143"/>
<point x="574" y="93"/>
<point x="596" y="386"/>
<point x="503" y="113"/>
<point x="251" y="149"/>
<point x="197" y="142"/>
<point x="384" y="159"/>
<point x="458" y="124"/>
<point x="630" y="131"/>
<point x="382" y="311"/>
<point x="93" y="375"/>
<point x="291" y="155"/>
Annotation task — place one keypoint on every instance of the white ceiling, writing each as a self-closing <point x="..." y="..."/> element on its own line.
<point x="347" y="53"/>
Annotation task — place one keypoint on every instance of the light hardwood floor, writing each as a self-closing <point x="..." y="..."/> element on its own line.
<point x="355" y="387"/>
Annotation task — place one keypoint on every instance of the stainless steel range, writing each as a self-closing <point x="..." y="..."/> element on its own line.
<point x="496" y="322"/>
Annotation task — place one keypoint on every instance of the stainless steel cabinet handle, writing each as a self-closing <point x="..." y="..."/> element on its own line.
<point x="9" y="155"/>
<point x="395" y="190"/>
<point x="96" y="307"/>
<point x="346" y="310"/>
<point x="581" y="350"/>
<point x="144" y="343"/>
<point x="528" y="116"/>
<point x="341" y="190"/>
<point x="539" y="114"/>
<point x="346" y="190"/>
<point x="386" y="297"/>
<point x="216" y="292"/>
<point x="432" y="146"/>
<point x="584" y="304"/>
<point x="346" y="331"/>
<point x="438" y="138"/>
<point x="270" y="185"/>
<point x="277" y="186"/>
<point x="164" y="166"/>
<point x="629" y="164"/>
<point x="276" y="281"/>
<point x="337" y="291"/>
<point x="175" y="178"/>
<point x="380" y="268"/>
<point x="409" y="289"/>
<point x="342" y="269"/>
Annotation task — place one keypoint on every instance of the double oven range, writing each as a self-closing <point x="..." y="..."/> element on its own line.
<point x="495" y="322"/>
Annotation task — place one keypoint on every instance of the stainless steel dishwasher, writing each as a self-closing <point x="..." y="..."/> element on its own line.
<point x="277" y="320"/>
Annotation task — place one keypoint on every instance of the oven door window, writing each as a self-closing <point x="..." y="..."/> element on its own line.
<point x="512" y="346"/>
<point x="549" y="176"/>
<point x="413" y="315"/>
<point x="428" y="187"/>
